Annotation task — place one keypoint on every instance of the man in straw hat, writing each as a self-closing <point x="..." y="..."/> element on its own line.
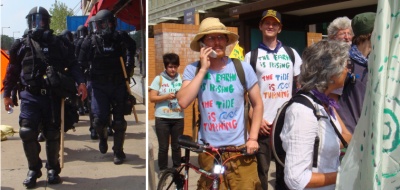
<point x="221" y="104"/>
<point x="276" y="90"/>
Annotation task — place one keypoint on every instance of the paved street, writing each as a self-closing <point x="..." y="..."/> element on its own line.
<point x="84" y="166"/>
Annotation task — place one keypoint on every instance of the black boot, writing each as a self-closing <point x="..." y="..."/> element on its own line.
<point x="93" y="134"/>
<point x="32" y="150"/>
<point x="52" y="150"/>
<point x="119" y="138"/>
<point x="31" y="178"/>
<point x="53" y="177"/>
<point x="103" y="146"/>
<point x="110" y="131"/>
<point x="41" y="137"/>
<point x="101" y="130"/>
<point x="81" y="111"/>
<point x="119" y="157"/>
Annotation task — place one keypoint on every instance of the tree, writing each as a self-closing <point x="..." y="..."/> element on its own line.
<point x="6" y="42"/>
<point x="59" y="12"/>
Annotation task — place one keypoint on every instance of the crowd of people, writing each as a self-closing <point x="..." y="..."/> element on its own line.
<point x="47" y="69"/>
<point x="331" y="74"/>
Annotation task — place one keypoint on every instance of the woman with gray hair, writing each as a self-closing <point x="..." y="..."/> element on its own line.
<point x="324" y="69"/>
<point x="340" y="29"/>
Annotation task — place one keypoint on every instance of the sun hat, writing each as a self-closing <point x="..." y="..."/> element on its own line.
<point x="212" y="26"/>
<point x="363" y="23"/>
<point x="271" y="13"/>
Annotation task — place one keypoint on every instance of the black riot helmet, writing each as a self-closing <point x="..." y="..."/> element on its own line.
<point x="81" y="31"/>
<point x="25" y="33"/>
<point x="92" y="25"/>
<point x="38" y="18"/>
<point x="105" y="22"/>
<point x="67" y="35"/>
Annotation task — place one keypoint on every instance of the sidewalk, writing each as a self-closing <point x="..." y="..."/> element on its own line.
<point x="84" y="166"/>
<point x="193" y="176"/>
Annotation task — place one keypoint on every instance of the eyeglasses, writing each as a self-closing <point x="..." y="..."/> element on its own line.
<point x="343" y="34"/>
<point x="214" y="38"/>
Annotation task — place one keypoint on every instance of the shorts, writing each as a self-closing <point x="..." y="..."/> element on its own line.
<point x="240" y="172"/>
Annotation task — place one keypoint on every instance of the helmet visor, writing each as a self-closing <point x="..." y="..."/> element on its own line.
<point x="37" y="21"/>
<point x="92" y="27"/>
<point x="104" y="26"/>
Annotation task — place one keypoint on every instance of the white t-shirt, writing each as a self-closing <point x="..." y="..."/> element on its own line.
<point x="275" y="77"/>
<point x="298" y="139"/>
<point x="221" y="104"/>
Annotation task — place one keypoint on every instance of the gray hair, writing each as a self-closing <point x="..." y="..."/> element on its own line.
<point x="339" y="23"/>
<point x="321" y="62"/>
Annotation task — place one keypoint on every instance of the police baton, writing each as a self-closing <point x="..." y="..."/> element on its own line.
<point x="62" y="134"/>
<point x="128" y="88"/>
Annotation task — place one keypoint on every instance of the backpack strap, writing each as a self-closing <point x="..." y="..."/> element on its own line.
<point x="160" y="80"/>
<point x="299" y="98"/>
<point x="240" y="72"/>
<point x="290" y="52"/>
<point x="253" y="58"/>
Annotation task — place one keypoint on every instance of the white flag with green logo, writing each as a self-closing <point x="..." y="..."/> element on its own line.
<point x="372" y="160"/>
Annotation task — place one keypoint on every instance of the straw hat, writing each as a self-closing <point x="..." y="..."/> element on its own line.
<point x="212" y="26"/>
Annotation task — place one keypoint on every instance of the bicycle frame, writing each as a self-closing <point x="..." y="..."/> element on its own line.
<point x="187" y="143"/>
<point x="186" y="165"/>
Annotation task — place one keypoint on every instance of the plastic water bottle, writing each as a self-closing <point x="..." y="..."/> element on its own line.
<point x="11" y="109"/>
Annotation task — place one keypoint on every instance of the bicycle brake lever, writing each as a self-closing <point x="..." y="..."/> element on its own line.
<point x="198" y="150"/>
<point x="204" y="142"/>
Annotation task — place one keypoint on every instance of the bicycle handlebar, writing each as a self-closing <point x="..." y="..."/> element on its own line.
<point x="187" y="142"/>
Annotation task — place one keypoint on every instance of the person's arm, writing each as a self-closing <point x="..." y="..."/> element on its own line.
<point x="298" y="138"/>
<point x="189" y="90"/>
<point x="155" y="98"/>
<point x="257" y="114"/>
<point x="322" y="179"/>
<point x="76" y="70"/>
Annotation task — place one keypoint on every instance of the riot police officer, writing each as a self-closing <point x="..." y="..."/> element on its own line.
<point x="85" y="33"/>
<point x="104" y="50"/>
<point x="81" y="33"/>
<point x="39" y="57"/>
<point x="67" y="35"/>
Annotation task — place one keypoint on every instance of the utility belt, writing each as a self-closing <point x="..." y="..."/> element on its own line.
<point x="38" y="91"/>
<point x="114" y="78"/>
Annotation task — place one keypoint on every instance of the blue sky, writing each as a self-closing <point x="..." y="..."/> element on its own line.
<point x="13" y="13"/>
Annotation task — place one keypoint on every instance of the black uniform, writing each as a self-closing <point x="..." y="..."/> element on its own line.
<point x="35" y="55"/>
<point x="101" y="53"/>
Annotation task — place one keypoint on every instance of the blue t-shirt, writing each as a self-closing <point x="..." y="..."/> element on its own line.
<point x="170" y="108"/>
<point x="221" y="104"/>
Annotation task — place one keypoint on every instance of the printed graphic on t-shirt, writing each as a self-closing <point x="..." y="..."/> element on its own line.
<point x="221" y="108"/>
<point x="276" y="79"/>
<point x="167" y="88"/>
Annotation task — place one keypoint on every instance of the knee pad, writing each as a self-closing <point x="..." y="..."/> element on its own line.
<point x="52" y="135"/>
<point x="98" y="124"/>
<point x="119" y="125"/>
<point x="27" y="131"/>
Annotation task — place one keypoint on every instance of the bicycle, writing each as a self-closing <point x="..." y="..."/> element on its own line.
<point x="173" y="179"/>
